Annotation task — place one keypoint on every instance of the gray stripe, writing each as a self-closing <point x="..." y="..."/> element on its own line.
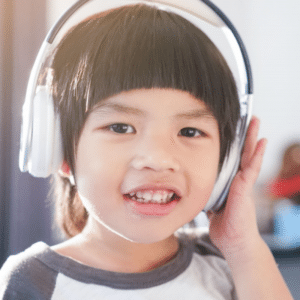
<point x="26" y="278"/>
<point x="87" y="274"/>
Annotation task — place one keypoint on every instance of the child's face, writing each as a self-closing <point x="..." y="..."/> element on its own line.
<point x="153" y="150"/>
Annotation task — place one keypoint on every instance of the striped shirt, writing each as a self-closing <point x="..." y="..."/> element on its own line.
<point x="197" y="272"/>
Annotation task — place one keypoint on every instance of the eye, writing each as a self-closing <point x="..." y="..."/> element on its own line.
<point x="191" y="132"/>
<point x="121" y="128"/>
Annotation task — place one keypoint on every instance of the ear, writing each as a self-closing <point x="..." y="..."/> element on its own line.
<point x="64" y="170"/>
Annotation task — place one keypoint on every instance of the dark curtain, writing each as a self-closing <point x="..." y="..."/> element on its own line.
<point x="6" y="66"/>
<point x="25" y="212"/>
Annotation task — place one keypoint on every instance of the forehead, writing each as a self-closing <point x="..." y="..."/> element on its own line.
<point x="155" y="102"/>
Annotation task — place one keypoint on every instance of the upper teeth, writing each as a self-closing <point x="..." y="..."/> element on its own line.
<point x="158" y="196"/>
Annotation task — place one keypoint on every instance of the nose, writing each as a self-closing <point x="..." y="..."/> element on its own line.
<point x="156" y="153"/>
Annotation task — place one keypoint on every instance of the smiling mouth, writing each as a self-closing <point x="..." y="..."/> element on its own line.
<point x="151" y="207"/>
<point x="152" y="199"/>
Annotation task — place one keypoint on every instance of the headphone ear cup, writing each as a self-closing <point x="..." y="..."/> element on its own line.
<point x="232" y="160"/>
<point x="26" y="133"/>
<point x="225" y="177"/>
<point x="46" y="144"/>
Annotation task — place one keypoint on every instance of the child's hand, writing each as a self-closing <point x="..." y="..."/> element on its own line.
<point x="234" y="229"/>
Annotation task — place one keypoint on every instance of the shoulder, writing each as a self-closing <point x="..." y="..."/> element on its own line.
<point x="206" y="255"/>
<point x="25" y="276"/>
<point x="204" y="251"/>
<point x="208" y="264"/>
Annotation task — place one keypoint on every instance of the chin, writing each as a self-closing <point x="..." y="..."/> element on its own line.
<point x="147" y="237"/>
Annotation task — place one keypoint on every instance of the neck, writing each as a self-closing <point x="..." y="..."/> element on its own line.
<point x="99" y="247"/>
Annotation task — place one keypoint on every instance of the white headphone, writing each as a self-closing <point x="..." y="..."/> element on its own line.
<point x="41" y="151"/>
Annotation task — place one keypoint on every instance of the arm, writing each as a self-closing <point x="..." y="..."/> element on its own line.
<point x="234" y="231"/>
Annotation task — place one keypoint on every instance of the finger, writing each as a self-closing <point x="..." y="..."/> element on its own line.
<point x="250" y="141"/>
<point x="251" y="171"/>
<point x="256" y="162"/>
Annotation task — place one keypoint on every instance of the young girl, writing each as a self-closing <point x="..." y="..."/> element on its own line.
<point x="148" y="110"/>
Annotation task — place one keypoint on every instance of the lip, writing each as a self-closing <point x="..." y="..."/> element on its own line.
<point x="150" y="209"/>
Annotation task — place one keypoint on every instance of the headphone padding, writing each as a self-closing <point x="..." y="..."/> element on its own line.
<point x="44" y="156"/>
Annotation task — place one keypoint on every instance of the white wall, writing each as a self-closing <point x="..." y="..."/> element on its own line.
<point x="270" y="31"/>
<point x="56" y="8"/>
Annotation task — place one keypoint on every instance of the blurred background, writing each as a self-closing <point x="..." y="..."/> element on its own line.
<point x="270" y="31"/>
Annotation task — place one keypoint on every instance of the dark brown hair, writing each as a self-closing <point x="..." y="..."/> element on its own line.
<point x="133" y="47"/>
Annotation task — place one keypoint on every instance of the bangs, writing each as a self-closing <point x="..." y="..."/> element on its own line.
<point x="164" y="53"/>
<point x="146" y="56"/>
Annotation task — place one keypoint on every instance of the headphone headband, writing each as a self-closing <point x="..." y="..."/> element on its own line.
<point x="206" y="11"/>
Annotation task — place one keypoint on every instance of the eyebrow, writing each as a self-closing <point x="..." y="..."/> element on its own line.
<point x="128" y="110"/>
<point x="117" y="107"/>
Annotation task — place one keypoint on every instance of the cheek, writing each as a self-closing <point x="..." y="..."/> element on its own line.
<point x="96" y="158"/>
<point x="204" y="178"/>
<point x="204" y="172"/>
<point x="97" y="169"/>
